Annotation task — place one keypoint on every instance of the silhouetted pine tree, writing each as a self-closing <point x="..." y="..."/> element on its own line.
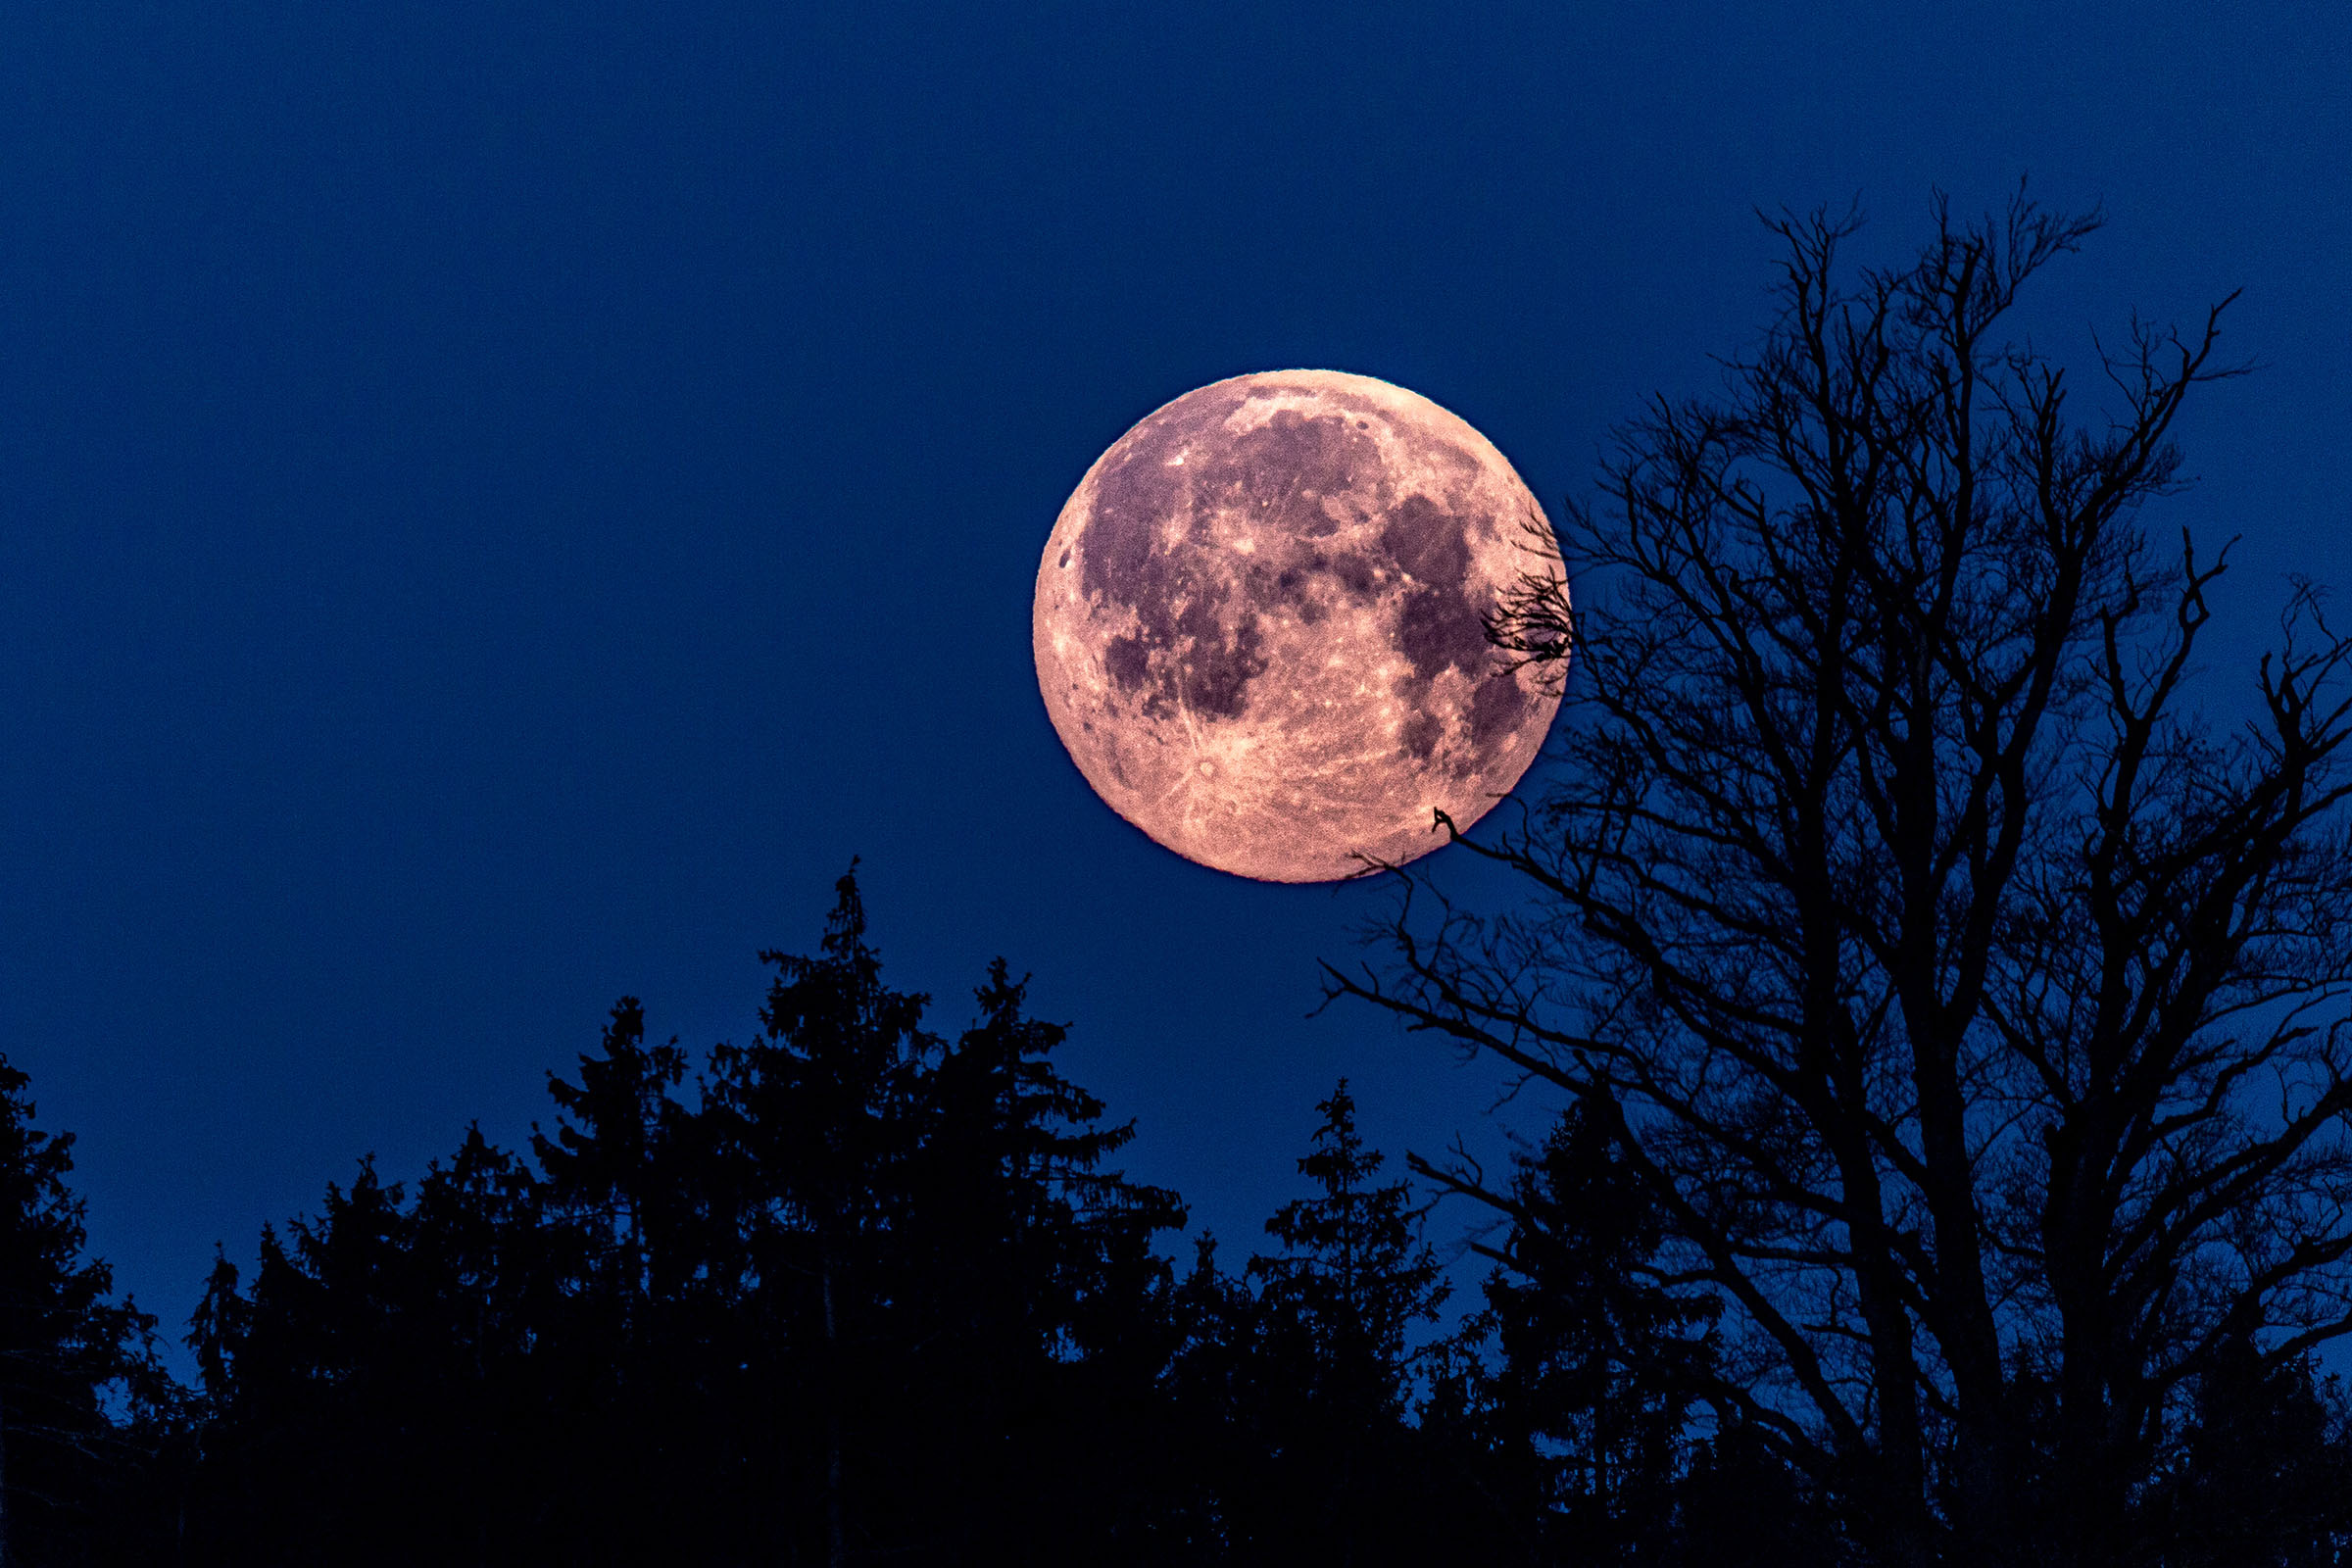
<point x="373" y="1397"/>
<point x="1038" y="1306"/>
<point x="65" y="1349"/>
<point x="1212" y="1385"/>
<point x="650" y="1339"/>
<point x="1596" y="1360"/>
<point x="1575" y="1403"/>
<point x="606" y="1172"/>
<point x="1331" y="1368"/>
<point x="1741" y="1503"/>
<point x="1353" y="1275"/>
<point x="2264" y="1477"/>
<point x="818" y="1118"/>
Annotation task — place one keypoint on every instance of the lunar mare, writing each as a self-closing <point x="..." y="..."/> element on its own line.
<point x="1259" y="624"/>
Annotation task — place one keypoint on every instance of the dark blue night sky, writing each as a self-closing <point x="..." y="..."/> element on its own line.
<point x="499" y="502"/>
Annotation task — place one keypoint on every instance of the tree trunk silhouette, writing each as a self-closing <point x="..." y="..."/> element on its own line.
<point x="7" y="1559"/>
<point x="1929" y="956"/>
<point x="836" y="1550"/>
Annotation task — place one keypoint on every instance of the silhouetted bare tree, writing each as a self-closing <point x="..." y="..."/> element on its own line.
<point x="1971" y="1006"/>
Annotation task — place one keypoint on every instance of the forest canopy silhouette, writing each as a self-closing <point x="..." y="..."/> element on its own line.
<point x="1937" y="1017"/>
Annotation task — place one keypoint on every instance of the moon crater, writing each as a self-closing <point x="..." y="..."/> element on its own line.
<point x="1260" y="624"/>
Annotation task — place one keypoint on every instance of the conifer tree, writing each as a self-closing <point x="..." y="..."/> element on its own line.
<point x="646" y="1344"/>
<point x="373" y="1396"/>
<point x="819" y="1117"/>
<point x="63" y="1345"/>
<point x="1335" y="1306"/>
<point x="604" y="1168"/>
<point x="1599" y="1365"/>
<point x="1012" y="1178"/>
<point x="2264" y="1474"/>
<point x="1214" y="1389"/>
<point x="868" y="1295"/>
<point x="1036" y="1299"/>
<point x="1353" y="1275"/>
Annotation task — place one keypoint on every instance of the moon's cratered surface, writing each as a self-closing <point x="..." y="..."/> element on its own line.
<point x="1259" y="624"/>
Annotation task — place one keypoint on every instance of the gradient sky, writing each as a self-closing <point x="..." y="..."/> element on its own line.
<point x="499" y="502"/>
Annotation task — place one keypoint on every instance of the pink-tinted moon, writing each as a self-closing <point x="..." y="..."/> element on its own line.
<point x="1259" y="624"/>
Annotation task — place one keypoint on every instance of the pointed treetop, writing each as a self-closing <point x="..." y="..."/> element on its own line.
<point x="844" y="927"/>
<point x="1339" y="1160"/>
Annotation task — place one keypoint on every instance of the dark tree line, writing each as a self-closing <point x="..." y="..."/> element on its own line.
<point x="856" y="1292"/>
<point x="1949" y="1164"/>
<point x="850" y="1291"/>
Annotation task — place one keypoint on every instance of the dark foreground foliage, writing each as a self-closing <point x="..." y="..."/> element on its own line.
<point x="866" y="1294"/>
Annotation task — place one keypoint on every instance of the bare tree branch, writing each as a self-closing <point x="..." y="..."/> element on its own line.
<point x="1973" y="1005"/>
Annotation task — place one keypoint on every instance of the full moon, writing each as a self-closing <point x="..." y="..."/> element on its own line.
<point x="1259" y="624"/>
